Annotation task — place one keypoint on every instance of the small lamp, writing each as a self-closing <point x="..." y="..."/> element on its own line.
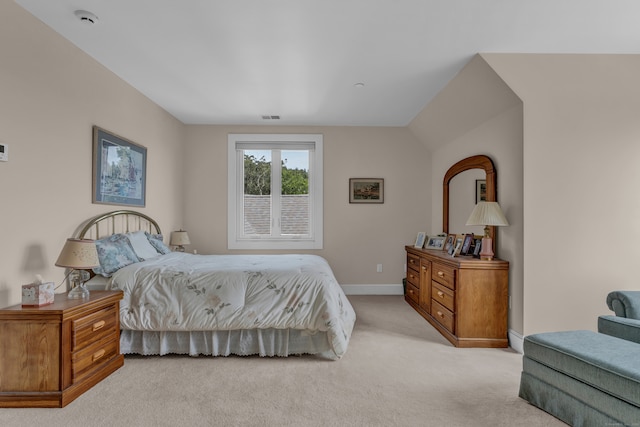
<point x="179" y="239"/>
<point x="487" y="213"/>
<point x="78" y="255"/>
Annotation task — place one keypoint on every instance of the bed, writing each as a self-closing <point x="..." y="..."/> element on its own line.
<point x="219" y="305"/>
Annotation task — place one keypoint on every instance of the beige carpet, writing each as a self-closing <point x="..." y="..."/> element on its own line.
<point x="398" y="371"/>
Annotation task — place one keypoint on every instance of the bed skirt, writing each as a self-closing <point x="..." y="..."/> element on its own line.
<point x="263" y="342"/>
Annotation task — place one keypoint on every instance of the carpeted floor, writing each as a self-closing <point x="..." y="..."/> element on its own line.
<point x="398" y="371"/>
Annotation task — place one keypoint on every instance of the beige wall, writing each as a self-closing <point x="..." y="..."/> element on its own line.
<point x="52" y="94"/>
<point x="356" y="237"/>
<point x="581" y="157"/>
<point x="484" y="117"/>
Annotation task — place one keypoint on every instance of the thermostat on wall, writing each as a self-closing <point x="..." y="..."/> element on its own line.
<point x="4" y="153"/>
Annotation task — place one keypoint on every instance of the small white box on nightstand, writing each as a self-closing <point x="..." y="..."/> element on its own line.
<point x="37" y="294"/>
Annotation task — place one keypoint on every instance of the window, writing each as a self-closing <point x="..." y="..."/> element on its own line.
<point x="275" y="191"/>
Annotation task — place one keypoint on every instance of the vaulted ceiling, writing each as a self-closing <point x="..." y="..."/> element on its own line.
<point x="321" y="62"/>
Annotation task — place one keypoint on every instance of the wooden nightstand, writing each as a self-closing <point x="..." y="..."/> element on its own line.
<point x="52" y="354"/>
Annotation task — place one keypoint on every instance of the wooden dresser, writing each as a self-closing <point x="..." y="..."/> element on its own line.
<point x="464" y="298"/>
<point x="52" y="354"/>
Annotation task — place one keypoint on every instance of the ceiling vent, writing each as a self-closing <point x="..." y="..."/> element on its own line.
<point x="270" y="117"/>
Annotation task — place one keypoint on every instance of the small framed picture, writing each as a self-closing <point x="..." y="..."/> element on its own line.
<point x="460" y="239"/>
<point x="481" y="190"/>
<point x="420" y="239"/>
<point x="450" y="242"/>
<point x="466" y="244"/>
<point x="435" y="242"/>
<point x="366" y="190"/>
<point x="477" y="247"/>
<point x="455" y="251"/>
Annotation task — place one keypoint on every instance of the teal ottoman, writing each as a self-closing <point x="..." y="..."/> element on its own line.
<point x="583" y="378"/>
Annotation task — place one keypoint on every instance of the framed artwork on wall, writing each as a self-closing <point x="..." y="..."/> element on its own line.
<point x="119" y="170"/>
<point x="366" y="190"/>
<point x="481" y="190"/>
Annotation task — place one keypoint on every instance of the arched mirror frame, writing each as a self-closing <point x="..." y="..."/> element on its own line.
<point x="473" y="162"/>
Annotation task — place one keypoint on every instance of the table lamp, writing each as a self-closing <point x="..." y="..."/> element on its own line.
<point x="487" y="213"/>
<point x="79" y="255"/>
<point x="179" y="239"/>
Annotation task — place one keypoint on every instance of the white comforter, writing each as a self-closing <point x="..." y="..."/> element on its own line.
<point x="185" y="292"/>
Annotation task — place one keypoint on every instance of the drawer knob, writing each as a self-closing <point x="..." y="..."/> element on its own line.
<point x="440" y="294"/>
<point x="411" y="291"/>
<point x="439" y="313"/>
<point x="424" y="268"/>
<point x="98" y="325"/>
<point x="97" y="355"/>
<point x="440" y="274"/>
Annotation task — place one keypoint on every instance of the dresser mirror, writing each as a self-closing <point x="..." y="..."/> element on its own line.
<point x="464" y="174"/>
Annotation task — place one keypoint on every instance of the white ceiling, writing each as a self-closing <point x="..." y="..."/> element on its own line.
<point x="233" y="61"/>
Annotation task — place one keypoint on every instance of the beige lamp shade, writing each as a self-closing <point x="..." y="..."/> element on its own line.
<point x="78" y="254"/>
<point x="487" y="213"/>
<point x="179" y="238"/>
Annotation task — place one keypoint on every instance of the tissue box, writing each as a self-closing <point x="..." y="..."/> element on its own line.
<point x="37" y="294"/>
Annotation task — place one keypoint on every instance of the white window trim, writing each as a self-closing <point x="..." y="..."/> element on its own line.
<point x="235" y="188"/>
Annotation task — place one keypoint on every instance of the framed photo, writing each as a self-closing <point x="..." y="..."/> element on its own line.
<point x="435" y="242"/>
<point x="467" y="244"/>
<point x="366" y="190"/>
<point x="481" y="190"/>
<point x="477" y="247"/>
<point x="450" y="242"/>
<point x="420" y="240"/>
<point x="455" y="250"/>
<point x="119" y="170"/>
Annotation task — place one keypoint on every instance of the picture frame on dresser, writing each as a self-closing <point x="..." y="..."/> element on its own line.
<point x="477" y="247"/>
<point x="450" y="242"/>
<point x="467" y="244"/>
<point x="420" y="239"/>
<point x="435" y="242"/>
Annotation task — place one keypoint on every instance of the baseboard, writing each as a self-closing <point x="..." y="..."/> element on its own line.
<point x="373" y="289"/>
<point x="516" y="341"/>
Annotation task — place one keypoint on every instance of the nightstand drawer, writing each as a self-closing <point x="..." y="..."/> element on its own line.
<point x="413" y="293"/>
<point x="442" y="315"/>
<point x="94" y="327"/>
<point x="85" y="361"/>
<point x="444" y="275"/>
<point x="443" y="295"/>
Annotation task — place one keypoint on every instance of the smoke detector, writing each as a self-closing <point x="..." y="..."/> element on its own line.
<point x="85" y="17"/>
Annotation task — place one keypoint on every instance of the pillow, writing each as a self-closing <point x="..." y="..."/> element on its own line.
<point x="157" y="242"/>
<point x="141" y="245"/>
<point x="114" y="252"/>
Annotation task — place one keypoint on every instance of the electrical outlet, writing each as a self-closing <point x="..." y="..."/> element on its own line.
<point x="4" y="153"/>
<point x="379" y="268"/>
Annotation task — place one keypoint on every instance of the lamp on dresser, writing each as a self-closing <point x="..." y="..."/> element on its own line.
<point x="487" y="213"/>
<point x="79" y="255"/>
<point x="179" y="239"/>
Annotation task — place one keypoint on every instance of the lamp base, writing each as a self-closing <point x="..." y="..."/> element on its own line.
<point x="486" y="253"/>
<point x="80" y="291"/>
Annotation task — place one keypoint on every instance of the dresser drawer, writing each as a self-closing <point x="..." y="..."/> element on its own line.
<point x="413" y="262"/>
<point x="444" y="275"/>
<point x="413" y="277"/>
<point x="85" y="361"/>
<point x="443" y="295"/>
<point x="413" y="293"/>
<point x="94" y="327"/>
<point x="442" y="315"/>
